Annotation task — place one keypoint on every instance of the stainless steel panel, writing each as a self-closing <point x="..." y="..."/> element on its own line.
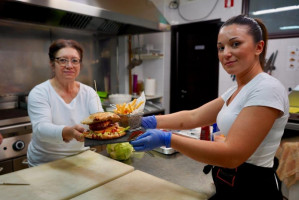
<point x="14" y="121"/>
<point x="165" y="150"/>
<point x="111" y="17"/>
<point x="16" y="130"/>
<point x="8" y="98"/>
<point x="8" y="105"/>
<point x="24" y="58"/>
<point x="14" y="146"/>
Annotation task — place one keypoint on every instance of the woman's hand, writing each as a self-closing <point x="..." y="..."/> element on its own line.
<point x="149" y="122"/>
<point x="1" y="138"/>
<point x="74" y="132"/>
<point x="151" y="139"/>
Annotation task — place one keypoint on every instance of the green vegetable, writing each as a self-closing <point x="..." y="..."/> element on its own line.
<point x="120" y="151"/>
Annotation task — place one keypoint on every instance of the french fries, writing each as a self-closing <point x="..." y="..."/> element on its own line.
<point x="127" y="108"/>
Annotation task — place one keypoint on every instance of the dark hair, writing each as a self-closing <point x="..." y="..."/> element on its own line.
<point x="62" y="43"/>
<point x="257" y="30"/>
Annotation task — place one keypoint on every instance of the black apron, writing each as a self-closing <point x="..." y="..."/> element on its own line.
<point x="247" y="181"/>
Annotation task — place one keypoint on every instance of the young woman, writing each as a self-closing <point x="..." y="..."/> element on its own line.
<point x="57" y="106"/>
<point x="252" y="115"/>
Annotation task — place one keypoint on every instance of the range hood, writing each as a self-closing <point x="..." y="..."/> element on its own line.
<point x="113" y="17"/>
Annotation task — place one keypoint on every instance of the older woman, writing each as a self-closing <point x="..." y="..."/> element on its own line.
<point x="57" y="106"/>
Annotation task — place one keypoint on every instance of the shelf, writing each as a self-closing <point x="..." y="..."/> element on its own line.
<point x="152" y="97"/>
<point x="154" y="112"/>
<point x="151" y="56"/>
<point x="148" y="97"/>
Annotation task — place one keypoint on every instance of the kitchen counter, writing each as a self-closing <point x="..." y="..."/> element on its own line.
<point x="64" y="178"/>
<point x="139" y="185"/>
<point x="176" y="168"/>
<point x="90" y="175"/>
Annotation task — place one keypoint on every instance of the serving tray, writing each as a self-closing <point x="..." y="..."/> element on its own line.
<point x="130" y="135"/>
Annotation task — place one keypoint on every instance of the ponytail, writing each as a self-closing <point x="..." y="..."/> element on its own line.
<point x="265" y="39"/>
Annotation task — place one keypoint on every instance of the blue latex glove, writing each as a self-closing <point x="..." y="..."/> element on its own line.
<point x="149" y="122"/>
<point x="151" y="139"/>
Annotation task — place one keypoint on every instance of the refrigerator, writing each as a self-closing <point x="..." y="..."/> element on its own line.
<point x="194" y="64"/>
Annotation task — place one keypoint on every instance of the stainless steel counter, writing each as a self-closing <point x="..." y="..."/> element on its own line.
<point x="176" y="168"/>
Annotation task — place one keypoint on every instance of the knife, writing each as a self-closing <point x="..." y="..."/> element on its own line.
<point x="7" y="183"/>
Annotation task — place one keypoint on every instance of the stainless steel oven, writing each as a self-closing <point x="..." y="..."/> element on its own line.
<point x="16" y="130"/>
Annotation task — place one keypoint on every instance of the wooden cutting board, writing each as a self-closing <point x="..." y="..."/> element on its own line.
<point x="138" y="185"/>
<point x="63" y="179"/>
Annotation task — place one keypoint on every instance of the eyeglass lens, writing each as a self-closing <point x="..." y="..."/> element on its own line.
<point x="64" y="61"/>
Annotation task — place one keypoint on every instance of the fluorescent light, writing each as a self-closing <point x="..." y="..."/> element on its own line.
<point x="288" y="27"/>
<point x="274" y="10"/>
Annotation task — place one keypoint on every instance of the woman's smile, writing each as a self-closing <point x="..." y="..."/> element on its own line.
<point x="69" y="72"/>
<point x="229" y="63"/>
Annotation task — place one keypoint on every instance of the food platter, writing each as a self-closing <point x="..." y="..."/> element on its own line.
<point x="130" y="135"/>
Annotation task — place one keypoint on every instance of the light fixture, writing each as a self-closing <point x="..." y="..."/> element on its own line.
<point x="288" y="27"/>
<point x="274" y="10"/>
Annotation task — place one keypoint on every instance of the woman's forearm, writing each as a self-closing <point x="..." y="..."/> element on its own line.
<point x="213" y="153"/>
<point x="188" y="119"/>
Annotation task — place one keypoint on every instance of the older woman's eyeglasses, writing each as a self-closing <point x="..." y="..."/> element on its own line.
<point x="64" y="61"/>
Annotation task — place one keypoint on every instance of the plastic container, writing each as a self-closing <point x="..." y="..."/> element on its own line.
<point x="205" y="133"/>
<point x="218" y="137"/>
<point x="119" y="98"/>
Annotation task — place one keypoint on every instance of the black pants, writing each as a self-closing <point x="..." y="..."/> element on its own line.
<point x="246" y="182"/>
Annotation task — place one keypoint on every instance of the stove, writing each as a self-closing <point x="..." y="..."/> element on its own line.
<point x="16" y="130"/>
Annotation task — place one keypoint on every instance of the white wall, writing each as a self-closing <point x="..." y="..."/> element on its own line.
<point x="289" y="78"/>
<point x="197" y="9"/>
<point x="192" y="11"/>
<point x="158" y="69"/>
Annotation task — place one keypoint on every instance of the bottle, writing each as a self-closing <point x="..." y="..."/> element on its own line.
<point x="135" y="82"/>
<point x="215" y="128"/>
<point x="205" y="133"/>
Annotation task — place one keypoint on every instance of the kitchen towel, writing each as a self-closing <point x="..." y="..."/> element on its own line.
<point x="150" y="87"/>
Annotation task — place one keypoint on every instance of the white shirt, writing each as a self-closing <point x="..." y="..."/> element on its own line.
<point x="49" y="114"/>
<point x="262" y="90"/>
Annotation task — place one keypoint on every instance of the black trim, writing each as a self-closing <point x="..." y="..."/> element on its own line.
<point x="245" y="11"/>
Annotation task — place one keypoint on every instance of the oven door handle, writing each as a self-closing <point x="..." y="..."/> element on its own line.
<point x="15" y="126"/>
